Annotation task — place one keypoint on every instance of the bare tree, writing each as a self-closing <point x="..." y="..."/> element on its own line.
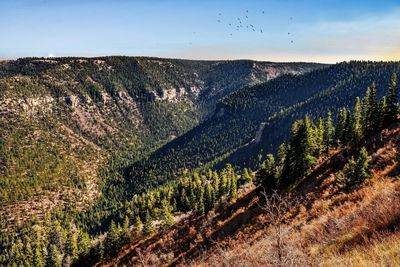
<point x="283" y="252"/>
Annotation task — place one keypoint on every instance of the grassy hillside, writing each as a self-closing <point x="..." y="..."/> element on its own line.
<point x="313" y="223"/>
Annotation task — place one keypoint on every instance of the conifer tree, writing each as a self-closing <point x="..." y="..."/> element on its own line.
<point x="392" y="98"/>
<point x="111" y="242"/>
<point x="340" y="129"/>
<point x="83" y="243"/>
<point x="209" y="197"/>
<point x="371" y="112"/>
<point x="71" y="244"/>
<point x="137" y="223"/>
<point x="54" y="258"/>
<point x="126" y="231"/>
<point x="319" y="137"/>
<point x="233" y="187"/>
<point x="38" y="256"/>
<point x="266" y="175"/>
<point x="148" y="226"/>
<point x="356" y="121"/>
<point x="382" y="113"/>
<point x="362" y="167"/>
<point x="166" y="215"/>
<point x="200" y="207"/>
<point x="246" y="176"/>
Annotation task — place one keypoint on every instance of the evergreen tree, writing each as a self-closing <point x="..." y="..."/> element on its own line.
<point x="340" y="130"/>
<point x="83" y="243"/>
<point x="38" y="256"/>
<point x="112" y="240"/>
<point x="71" y="244"/>
<point x="148" y="226"/>
<point x="362" y="167"/>
<point x="356" y="121"/>
<point x="209" y="197"/>
<point x="54" y="258"/>
<point x="200" y="207"/>
<point x="371" y="112"/>
<point x="126" y="231"/>
<point x="166" y="216"/>
<point x="319" y="137"/>
<point x="392" y="98"/>
<point x="233" y="187"/>
<point x="266" y="175"/>
<point x="246" y="176"/>
<point x="137" y="223"/>
<point x="382" y="113"/>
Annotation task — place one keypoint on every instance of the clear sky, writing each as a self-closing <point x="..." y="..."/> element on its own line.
<point x="292" y="30"/>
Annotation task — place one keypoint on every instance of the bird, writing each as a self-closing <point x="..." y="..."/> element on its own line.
<point x="231" y="34"/>
<point x="261" y="31"/>
<point x="251" y="25"/>
<point x="230" y="24"/>
<point x="263" y="12"/>
<point x="288" y="33"/>
<point x="247" y="17"/>
<point x="219" y="14"/>
<point x="254" y="30"/>
<point x="247" y="11"/>
<point x="219" y="21"/>
<point x="291" y="41"/>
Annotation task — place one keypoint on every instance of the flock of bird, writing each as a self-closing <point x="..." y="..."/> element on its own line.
<point x="244" y="24"/>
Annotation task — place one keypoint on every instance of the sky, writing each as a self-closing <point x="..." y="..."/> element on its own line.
<point x="292" y="30"/>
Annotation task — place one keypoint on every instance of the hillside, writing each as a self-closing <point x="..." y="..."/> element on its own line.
<point x="315" y="224"/>
<point x="64" y="120"/>
<point x="267" y="110"/>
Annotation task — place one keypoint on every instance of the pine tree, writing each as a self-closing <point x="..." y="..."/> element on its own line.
<point x="38" y="256"/>
<point x="54" y="258"/>
<point x="382" y="113"/>
<point x="71" y="244"/>
<point x="83" y="243"/>
<point x="356" y="121"/>
<point x="166" y="216"/>
<point x="362" y="167"/>
<point x="209" y="197"/>
<point x="319" y="137"/>
<point x="111" y="242"/>
<point x="126" y="231"/>
<point x="371" y="112"/>
<point x="148" y="226"/>
<point x="341" y="126"/>
<point x="200" y="207"/>
<point x="56" y="236"/>
<point x="233" y="187"/>
<point x="392" y="98"/>
<point x="246" y="176"/>
<point x="137" y="223"/>
<point x="266" y="175"/>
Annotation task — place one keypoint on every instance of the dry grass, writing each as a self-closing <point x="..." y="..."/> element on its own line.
<point x="360" y="227"/>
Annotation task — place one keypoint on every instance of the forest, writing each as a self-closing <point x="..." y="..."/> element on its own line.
<point x="67" y="236"/>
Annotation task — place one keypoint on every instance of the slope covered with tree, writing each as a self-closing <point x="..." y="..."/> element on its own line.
<point x="255" y="120"/>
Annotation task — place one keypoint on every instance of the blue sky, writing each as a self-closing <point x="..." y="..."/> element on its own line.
<point x="323" y="31"/>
